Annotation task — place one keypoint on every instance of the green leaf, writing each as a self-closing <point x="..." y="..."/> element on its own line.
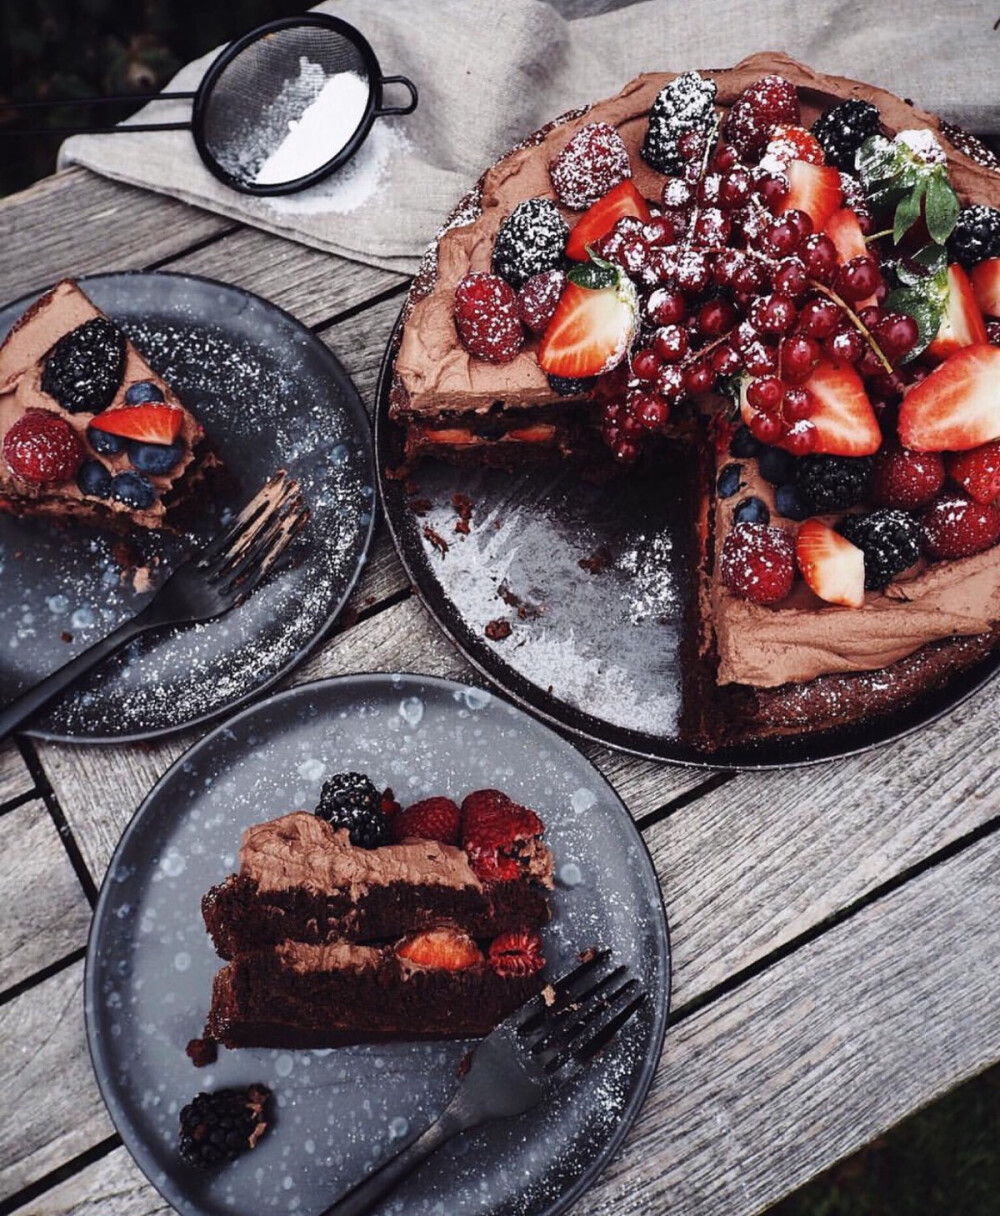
<point x="877" y="159"/>
<point x="942" y="206"/>
<point x="934" y="257"/>
<point x="595" y="275"/>
<point x="908" y="211"/>
<point x="924" y="307"/>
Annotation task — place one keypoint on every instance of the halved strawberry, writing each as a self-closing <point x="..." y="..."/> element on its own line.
<point x="986" y="286"/>
<point x="978" y="471"/>
<point x="833" y="568"/>
<point x="444" y="949"/>
<point x="843" y="416"/>
<point x="151" y="422"/>
<point x="599" y="220"/>
<point x="814" y="189"/>
<point x="540" y="432"/>
<point x="594" y="323"/>
<point x="787" y="143"/>
<point x="962" y="324"/>
<point x="956" y="407"/>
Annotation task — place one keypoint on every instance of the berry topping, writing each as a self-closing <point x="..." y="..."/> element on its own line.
<point x="570" y="386"/>
<point x="758" y="563"/>
<point x="743" y="443"/>
<point x="350" y="800"/>
<point x="531" y="239"/>
<point x="155" y="458"/>
<point x="986" y="286"/>
<point x="844" y="229"/>
<point x="962" y="323"/>
<point x="537" y="299"/>
<point x="94" y="479"/>
<point x="143" y="391"/>
<point x="955" y="527"/>
<point x="832" y="483"/>
<point x="788" y="502"/>
<point x="148" y="423"/>
<point x="686" y="104"/>
<point x="788" y="143"/>
<point x="844" y="128"/>
<point x="106" y="443"/>
<point x="902" y="478"/>
<point x="843" y="416"/>
<point x="219" y="1126"/>
<point x="486" y="317"/>
<point x="496" y="833"/>
<point x="516" y="954"/>
<point x="443" y="949"/>
<point x="429" y="819"/>
<point x="776" y="466"/>
<point x="133" y="490"/>
<point x="833" y="568"/>
<point x="594" y="323"/>
<point x="976" y="236"/>
<point x="729" y="480"/>
<point x="84" y="369"/>
<point x="957" y="406"/>
<point x="593" y="161"/>
<point x="976" y="471"/>
<point x="814" y="189"/>
<point x="751" y="510"/>
<point x="889" y="539"/>
<point x="757" y="111"/>
<point x="601" y="218"/>
<point x="42" y="448"/>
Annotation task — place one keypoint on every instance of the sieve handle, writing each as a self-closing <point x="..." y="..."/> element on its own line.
<point x="51" y="103"/>
<point x="409" y="107"/>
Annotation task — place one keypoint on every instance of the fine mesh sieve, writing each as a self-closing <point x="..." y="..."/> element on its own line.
<point x="284" y="106"/>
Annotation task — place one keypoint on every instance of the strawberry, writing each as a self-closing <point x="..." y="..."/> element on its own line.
<point x="788" y="143"/>
<point x="495" y="830"/>
<point x="814" y="189"/>
<point x="832" y="567"/>
<point x="594" y="323"/>
<point x="956" y="407"/>
<point x="150" y="422"/>
<point x="955" y="527"/>
<point x="444" y="949"/>
<point x="977" y="471"/>
<point x="844" y="229"/>
<point x="986" y="286"/>
<point x="516" y="954"/>
<point x="430" y="819"/>
<point x="41" y="447"/>
<point x="962" y="324"/>
<point x="901" y="478"/>
<point x="758" y="563"/>
<point x="842" y="414"/>
<point x="601" y="218"/>
<point x="594" y="160"/>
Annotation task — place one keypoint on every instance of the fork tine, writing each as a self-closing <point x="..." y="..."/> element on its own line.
<point x="256" y="524"/>
<point x="255" y="543"/>
<point x="266" y="553"/>
<point x="588" y="1036"/>
<point x="567" y="1021"/>
<point x="245" y="519"/>
<point x="602" y="1038"/>
<point x="562" y="988"/>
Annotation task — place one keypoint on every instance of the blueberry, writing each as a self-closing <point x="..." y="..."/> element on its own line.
<point x="743" y="443"/>
<point x="94" y="479"/>
<point x="156" y="458"/>
<point x="133" y="490"/>
<point x="751" y="511"/>
<point x="789" y="504"/>
<point x="104" y="442"/>
<point x="776" y="465"/>
<point x="730" y="480"/>
<point x="141" y="392"/>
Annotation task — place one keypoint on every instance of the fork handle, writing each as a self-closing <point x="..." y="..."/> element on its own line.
<point x="26" y="706"/>
<point x="385" y="1177"/>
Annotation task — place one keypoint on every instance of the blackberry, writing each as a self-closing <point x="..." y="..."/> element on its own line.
<point x="831" y="483"/>
<point x="531" y="239"/>
<point x="687" y="103"/>
<point x="84" y="369"/>
<point x="350" y="800"/>
<point x="567" y="387"/>
<point x="843" y="129"/>
<point x="217" y="1127"/>
<point x="976" y="235"/>
<point x="889" y="539"/>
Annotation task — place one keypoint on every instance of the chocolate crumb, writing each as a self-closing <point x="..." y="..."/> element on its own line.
<point x="463" y="505"/>
<point x="66" y="636"/>
<point x="497" y="630"/>
<point x="202" y="1052"/>
<point x="436" y="539"/>
<point x="598" y="561"/>
<point x="464" y="1064"/>
<point x="420" y="506"/>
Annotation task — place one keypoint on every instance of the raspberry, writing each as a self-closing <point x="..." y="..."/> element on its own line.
<point x="758" y="563"/>
<point x="531" y="239"/>
<point x="592" y="163"/>
<point x="43" y="448"/>
<point x="903" y="478"/>
<point x="430" y="819"/>
<point x="486" y="317"/>
<point x="495" y="832"/>
<point x="957" y="527"/>
<point x="755" y="113"/>
<point x="516" y="954"/>
<point x="685" y="105"/>
<point x="537" y="299"/>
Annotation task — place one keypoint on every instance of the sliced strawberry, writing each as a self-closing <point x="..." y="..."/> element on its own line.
<point x="599" y="220"/>
<point x="517" y="954"/>
<point x="844" y="229"/>
<point x="833" y="568"/>
<point x="956" y="407"/>
<point x="814" y="189"/>
<point x="455" y="436"/>
<point x="788" y="143"/>
<point x="843" y="416"/>
<point x="594" y="324"/>
<point x="444" y="949"/>
<point x="540" y="432"/>
<point x="429" y="819"/>
<point x="151" y="422"/>
<point x="962" y="324"/>
<point x="986" y="286"/>
<point x="978" y="471"/>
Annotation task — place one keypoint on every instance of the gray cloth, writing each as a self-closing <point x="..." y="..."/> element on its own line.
<point x="490" y="71"/>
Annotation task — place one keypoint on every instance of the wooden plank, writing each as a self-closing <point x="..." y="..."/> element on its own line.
<point x="111" y="1186"/>
<point x="15" y="780"/>
<point x="359" y="343"/>
<point x="44" y="913"/>
<point x="764" y="1088"/>
<point x="52" y="1109"/>
<point x="78" y="223"/>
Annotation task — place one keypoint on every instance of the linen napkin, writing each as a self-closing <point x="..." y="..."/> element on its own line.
<point x="490" y="71"/>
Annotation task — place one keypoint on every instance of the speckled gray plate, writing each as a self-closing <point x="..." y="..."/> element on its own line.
<point x="271" y="396"/>
<point x="150" y="963"/>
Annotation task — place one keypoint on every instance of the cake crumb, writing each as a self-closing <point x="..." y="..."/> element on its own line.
<point x="597" y="562"/>
<point x="420" y="506"/>
<point x="549" y="995"/>
<point x="497" y="630"/>
<point x="463" y="505"/>
<point x="436" y="539"/>
<point x="66" y="636"/>
<point x="202" y="1052"/>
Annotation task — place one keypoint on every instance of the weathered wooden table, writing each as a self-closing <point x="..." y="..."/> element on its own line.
<point x="836" y="930"/>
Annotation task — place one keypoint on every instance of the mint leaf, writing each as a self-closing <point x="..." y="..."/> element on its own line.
<point x="595" y="275"/>
<point x="877" y="159"/>
<point x="908" y="211"/>
<point x="942" y="206"/>
<point x="925" y="307"/>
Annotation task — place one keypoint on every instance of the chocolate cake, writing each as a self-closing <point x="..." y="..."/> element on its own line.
<point x="797" y="273"/>
<point x="363" y="921"/>
<point x="88" y="431"/>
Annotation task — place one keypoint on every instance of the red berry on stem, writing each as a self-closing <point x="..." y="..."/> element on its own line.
<point x="715" y="317"/>
<point x="699" y="377"/>
<point x="666" y="307"/>
<point x="819" y="318"/>
<point x="799" y="355"/>
<point x="765" y="393"/>
<point x="847" y="345"/>
<point x="896" y="333"/>
<point x="790" y="279"/>
<point x="799" y="404"/>
<point x="671" y="343"/>
<point x="858" y="278"/>
<point x="645" y="363"/>
<point x="725" y="360"/>
<point x="819" y="255"/>
<point x="801" y="438"/>
<point x="765" y="427"/>
<point x="772" y="191"/>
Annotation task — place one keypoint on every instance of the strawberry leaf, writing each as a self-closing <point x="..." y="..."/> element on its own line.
<point x="925" y="304"/>
<point x="595" y="275"/>
<point x="941" y="207"/>
<point x="908" y="211"/>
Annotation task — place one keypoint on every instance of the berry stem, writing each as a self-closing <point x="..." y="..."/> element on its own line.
<point x="856" y="321"/>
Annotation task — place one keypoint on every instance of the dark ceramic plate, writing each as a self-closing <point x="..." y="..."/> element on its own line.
<point x="596" y="583"/>
<point x="150" y="963"/>
<point x="271" y="396"/>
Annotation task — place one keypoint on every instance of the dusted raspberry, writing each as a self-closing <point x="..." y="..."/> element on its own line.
<point x="486" y="317"/>
<point x="758" y="563"/>
<point x="904" y="478"/>
<point x="755" y="113"/>
<point x="517" y="954"/>
<point x="537" y="299"/>
<point x="430" y="819"/>
<point x="41" y="447"/>
<point x="495" y="832"/>
<point x="685" y="104"/>
<point x="956" y="527"/>
<point x="592" y="163"/>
